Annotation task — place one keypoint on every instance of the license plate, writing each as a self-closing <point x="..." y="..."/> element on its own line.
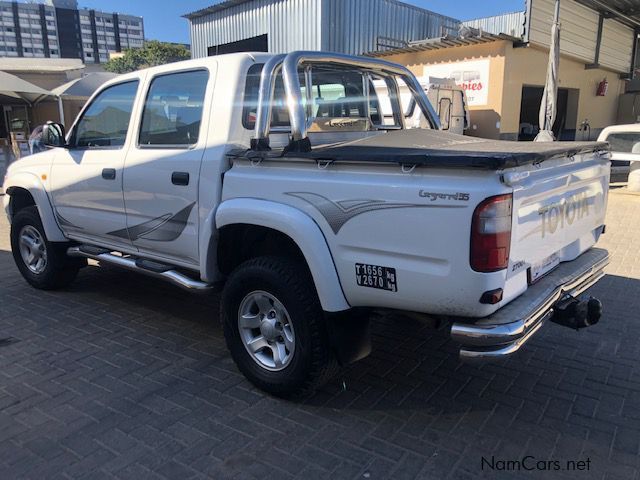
<point x="375" y="276"/>
<point x="540" y="269"/>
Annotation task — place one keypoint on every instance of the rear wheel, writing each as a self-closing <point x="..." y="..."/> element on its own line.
<point x="274" y="327"/>
<point x="45" y="265"/>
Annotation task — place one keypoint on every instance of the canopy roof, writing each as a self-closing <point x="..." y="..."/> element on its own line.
<point x="626" y="11"/>
<point x="12" y="86"/>
<point x="83" y="86"/>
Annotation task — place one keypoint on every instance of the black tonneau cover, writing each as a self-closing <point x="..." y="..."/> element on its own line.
<point x="442" y="149"/>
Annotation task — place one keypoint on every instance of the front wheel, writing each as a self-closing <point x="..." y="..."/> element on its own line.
<point x="45" y="265"/>
<point x="274" y="327"/>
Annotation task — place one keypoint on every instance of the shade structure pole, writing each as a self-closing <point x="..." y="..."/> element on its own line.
<point x="61" y="109"/>
<point x="549" y="104"/>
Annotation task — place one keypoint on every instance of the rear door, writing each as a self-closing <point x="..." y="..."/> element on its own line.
<point x="558" y="212"/>
<point x="162" y="168"/>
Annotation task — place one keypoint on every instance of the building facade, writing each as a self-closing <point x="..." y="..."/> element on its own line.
<point x="504" y="75"/>
<point x="58" y="29"/>
<point x="278" y="26"/>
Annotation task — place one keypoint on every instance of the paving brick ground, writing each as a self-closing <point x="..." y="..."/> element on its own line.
<point x="126" y="377"/>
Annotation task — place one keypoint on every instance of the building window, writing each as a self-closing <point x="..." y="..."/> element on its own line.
<point x="53" y="51"/>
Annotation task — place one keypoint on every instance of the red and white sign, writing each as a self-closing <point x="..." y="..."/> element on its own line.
<point x="472" y="76"/>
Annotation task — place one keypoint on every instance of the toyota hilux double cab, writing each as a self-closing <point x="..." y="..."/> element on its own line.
<point x="277" y="180"/>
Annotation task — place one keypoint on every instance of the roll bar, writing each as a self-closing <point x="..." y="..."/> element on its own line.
<point x="290" y="64"/>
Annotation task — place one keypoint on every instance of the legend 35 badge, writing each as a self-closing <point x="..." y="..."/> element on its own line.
<point x="375" y="276"/>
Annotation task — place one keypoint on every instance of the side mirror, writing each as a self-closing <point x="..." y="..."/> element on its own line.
<point x="53" y="135"/>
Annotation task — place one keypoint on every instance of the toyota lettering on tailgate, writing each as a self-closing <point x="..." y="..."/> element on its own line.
<point x="559" y="214"/>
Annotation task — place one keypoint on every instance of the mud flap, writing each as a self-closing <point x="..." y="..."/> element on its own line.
<point x="349" y="334"/>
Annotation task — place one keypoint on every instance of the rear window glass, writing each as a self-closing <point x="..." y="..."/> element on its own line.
<point x="624" y="142"/>
<point x="336" y="94"/>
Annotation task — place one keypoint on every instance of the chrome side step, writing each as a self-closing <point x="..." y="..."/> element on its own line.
<point x="142" y="266"/>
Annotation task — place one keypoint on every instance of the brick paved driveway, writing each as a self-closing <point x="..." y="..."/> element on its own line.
<point x="125" y="377"/>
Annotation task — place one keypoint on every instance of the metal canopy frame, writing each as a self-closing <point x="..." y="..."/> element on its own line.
<point x="290" y="65"/>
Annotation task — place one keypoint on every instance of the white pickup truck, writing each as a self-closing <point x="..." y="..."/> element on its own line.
<point x="277" y="179"/>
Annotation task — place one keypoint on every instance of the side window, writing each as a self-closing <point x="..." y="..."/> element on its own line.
<point x="173" y="109"/>
<point x="106" y="121"/>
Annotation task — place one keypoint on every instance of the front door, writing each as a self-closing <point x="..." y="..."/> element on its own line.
<point x="86" y="178"/>
<point x="162" y="171"/>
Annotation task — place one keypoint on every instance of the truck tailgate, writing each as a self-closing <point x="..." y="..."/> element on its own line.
<point x="558" y="213"/>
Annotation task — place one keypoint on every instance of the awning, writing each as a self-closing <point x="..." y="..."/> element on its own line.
<point x="83" y="87"/>
<point x="12" y="86"/>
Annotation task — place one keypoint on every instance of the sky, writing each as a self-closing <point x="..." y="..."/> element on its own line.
<point x="163" y="18"/>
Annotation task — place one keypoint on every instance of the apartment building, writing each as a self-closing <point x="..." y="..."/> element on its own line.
<point x="28" y="30"/>
<point x="102" y="33"/>
<point x="58" y="29"/>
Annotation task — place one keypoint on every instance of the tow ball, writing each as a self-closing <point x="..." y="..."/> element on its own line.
<point x="577" y="313"/>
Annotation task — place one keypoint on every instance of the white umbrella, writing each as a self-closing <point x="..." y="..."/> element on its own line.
<point x="548" y="106"/>
<point x="12" y="86"/>
<point x="82" y="87"/>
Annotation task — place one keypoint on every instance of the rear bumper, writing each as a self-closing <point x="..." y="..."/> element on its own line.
<point x="507" y="330"/>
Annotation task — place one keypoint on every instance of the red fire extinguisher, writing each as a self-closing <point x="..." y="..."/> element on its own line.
<point x="603" y="86"/>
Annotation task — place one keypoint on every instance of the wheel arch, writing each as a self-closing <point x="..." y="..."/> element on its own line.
<point x="26" y="190"/>
<point x="296" y="229"/>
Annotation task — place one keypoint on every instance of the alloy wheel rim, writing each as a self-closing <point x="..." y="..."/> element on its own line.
<point x="33" y="249"/>
<point x="266" y="330"/>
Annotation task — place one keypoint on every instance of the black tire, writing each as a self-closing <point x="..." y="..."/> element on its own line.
<point x="312" y="363"/>
<point x="59" y="270"/>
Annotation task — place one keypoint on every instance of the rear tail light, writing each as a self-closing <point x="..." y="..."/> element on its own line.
<point x="491" y="234"/>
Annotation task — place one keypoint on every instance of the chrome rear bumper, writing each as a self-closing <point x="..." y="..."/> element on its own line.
<point x="507" y="330"/>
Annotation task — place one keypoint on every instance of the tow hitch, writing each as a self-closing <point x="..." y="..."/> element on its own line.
<point x="577" y="313"/>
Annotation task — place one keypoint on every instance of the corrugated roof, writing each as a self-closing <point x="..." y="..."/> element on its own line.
<point x="445" y="42"/>
<point x="24" y="64"/>
<point x="215" y="8"/>
<point x="231" y="3"/>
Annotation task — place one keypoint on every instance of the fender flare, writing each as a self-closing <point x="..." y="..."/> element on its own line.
<point x="302" y="230"/>
<point x="32" y="184"/>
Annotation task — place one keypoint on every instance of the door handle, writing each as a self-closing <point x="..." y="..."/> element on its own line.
<point x="109" y="173"/>
<point x="180" y="178"/>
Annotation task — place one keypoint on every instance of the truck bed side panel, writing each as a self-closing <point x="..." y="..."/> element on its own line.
<point x="414" y="226"/>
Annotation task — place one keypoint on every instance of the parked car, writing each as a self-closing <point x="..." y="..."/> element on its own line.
<point x="277" y="180"/>
<point x="625" y="152"/>
<point x="447" y="99"/>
